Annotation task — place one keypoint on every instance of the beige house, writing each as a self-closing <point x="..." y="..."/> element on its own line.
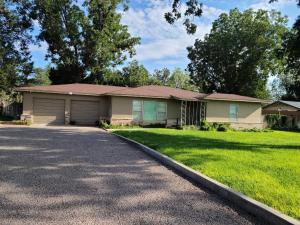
<point x="87" y="104"/>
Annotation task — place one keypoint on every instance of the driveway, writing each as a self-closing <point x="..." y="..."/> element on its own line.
<point x="79" y="175"/>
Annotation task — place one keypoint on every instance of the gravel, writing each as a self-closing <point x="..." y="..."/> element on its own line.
<point x="82" y="175"/>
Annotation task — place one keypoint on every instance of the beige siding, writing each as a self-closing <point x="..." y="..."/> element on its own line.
<point x="249" y="114"/>
<point x="121" y="109"/>
<point x="28" y="103"/>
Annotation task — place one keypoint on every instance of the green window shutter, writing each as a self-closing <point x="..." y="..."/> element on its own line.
<point x="233" y="112"/>
<point x="137" y="110"/>
<point x="149" y="111"/>
<point x="161" y="111"/>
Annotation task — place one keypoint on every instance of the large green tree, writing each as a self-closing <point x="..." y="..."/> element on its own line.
<point x="15" y="59"/>
<point x="181" y="79"/>
<point x="84" y="40"/>
<point x="239" y="53"/>
<point x="135" y="75"/>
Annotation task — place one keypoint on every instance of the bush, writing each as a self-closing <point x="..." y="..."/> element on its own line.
<point x="223" y="127"/>
<point x="204" y="125"/>
<point x="106" y="125"/>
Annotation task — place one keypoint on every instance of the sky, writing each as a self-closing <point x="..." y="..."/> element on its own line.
<point x="164" y="45"/>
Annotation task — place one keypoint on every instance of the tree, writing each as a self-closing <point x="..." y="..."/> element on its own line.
<point x="193" y="9"/>
<point x="162" y="76"/>
<point x="40" y="76"/>
<point x="290" y="53"/>
<point x="84" y="41"/>
<point x="180" y="79"/>
<point x="239" y="54"/>
<point x="15" y="59"/>
<point x="135" y="74"/>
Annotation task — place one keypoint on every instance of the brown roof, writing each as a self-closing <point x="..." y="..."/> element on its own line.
<point x="231" y="97"/>
<point x="155" y="91"/>
<point x="151" y="91"/>
<point x="80" y="89"/>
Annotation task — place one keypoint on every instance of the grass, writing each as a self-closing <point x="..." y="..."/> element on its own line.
<point x="262" y="165"/>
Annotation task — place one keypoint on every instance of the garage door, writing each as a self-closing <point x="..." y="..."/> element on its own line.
<point x="85" y="112"/>
<point x="48" y="111"/>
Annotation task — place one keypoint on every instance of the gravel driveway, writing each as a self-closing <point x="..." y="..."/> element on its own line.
<point x="79" y="175"/>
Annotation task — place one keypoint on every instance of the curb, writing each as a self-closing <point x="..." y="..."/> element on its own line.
<point x="250" y="205"/>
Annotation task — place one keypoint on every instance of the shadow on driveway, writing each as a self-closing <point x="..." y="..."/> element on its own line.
<point x="78" y="175"/>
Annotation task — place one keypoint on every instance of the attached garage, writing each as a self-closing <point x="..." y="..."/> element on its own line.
<point x="48" y="111"/>
<point x="85" y="112"/>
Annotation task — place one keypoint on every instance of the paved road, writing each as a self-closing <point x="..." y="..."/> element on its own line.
<point x="77" y="175"/>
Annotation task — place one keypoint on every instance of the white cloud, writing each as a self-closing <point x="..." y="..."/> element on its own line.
<point x="266" y="5"/>
<point x="160" y="40"/>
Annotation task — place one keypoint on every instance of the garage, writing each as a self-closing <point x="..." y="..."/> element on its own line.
<point x="48" y="111"/>
<point x="85" y="112"/>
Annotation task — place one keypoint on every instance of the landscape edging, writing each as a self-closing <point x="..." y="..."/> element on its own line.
<point x="248" y="204"/>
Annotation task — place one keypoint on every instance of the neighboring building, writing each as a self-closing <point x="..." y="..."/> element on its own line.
<point x="291" y="109"/>
<point x="86" y="104"/>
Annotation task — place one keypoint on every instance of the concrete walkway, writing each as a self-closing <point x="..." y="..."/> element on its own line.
<point x="79" y="175"/>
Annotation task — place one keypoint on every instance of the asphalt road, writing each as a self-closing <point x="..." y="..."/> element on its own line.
<point x="78" y="175"/>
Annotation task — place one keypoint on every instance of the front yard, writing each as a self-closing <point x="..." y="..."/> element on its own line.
<point x="262" y="165"/>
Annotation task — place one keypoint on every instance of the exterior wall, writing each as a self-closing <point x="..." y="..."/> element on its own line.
<point x="121" y="110"/>
<point x="249" y="114"/>
<point x="28" y="99"/>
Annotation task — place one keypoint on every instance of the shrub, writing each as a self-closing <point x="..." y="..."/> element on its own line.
<point x="223" y="127"/>
<point x="204" y="125"/>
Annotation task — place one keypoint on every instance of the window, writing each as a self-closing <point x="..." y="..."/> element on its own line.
<point x="150" y="111"/>
<point x="233" y="112"/>
<point x="137" y="110"/>
<point x="161" y="111"/>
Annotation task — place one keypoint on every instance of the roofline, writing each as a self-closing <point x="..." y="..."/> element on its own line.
<point x="204" y="98"/>
<point x="280" y="101"/>
<point x="56" y="92"/>
<point x="233" y="100"/>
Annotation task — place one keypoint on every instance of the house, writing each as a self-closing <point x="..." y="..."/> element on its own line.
<point x="86" y="104"/>
<point x="290" y="109"/>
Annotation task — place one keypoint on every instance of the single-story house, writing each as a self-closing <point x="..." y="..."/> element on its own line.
<point x="87" y="103"/>
<point x="290" y="109"/>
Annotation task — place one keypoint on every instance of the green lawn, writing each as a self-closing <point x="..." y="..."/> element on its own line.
<point x="263" y="165"/>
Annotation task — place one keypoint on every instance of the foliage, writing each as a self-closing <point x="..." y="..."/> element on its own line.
<point x="204" y="125"/>
<point x="248" y="162"/>
<point x="161" y="77"/>
<point x="135" y="74"/>
<point x="193" y="9"/>
<point x="15" y="59"/>
<point x="290" y="78"/>
<point x="107" y="125"/>
<point x="40" y="76"/>
<point x="239" y="54"/>
<point x="84" y="40"/>
<point x="276" y="121"/>
<point x="180" y="79"/>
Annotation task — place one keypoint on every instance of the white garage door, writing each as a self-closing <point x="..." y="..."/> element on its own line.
<point x="48" y="111"/>
<point x="85" y="112"/>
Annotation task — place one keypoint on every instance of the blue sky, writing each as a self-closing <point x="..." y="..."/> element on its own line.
<point x="164" y="45"/>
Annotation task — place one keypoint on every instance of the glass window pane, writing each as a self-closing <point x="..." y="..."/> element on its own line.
<point x="149" y="111"/>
